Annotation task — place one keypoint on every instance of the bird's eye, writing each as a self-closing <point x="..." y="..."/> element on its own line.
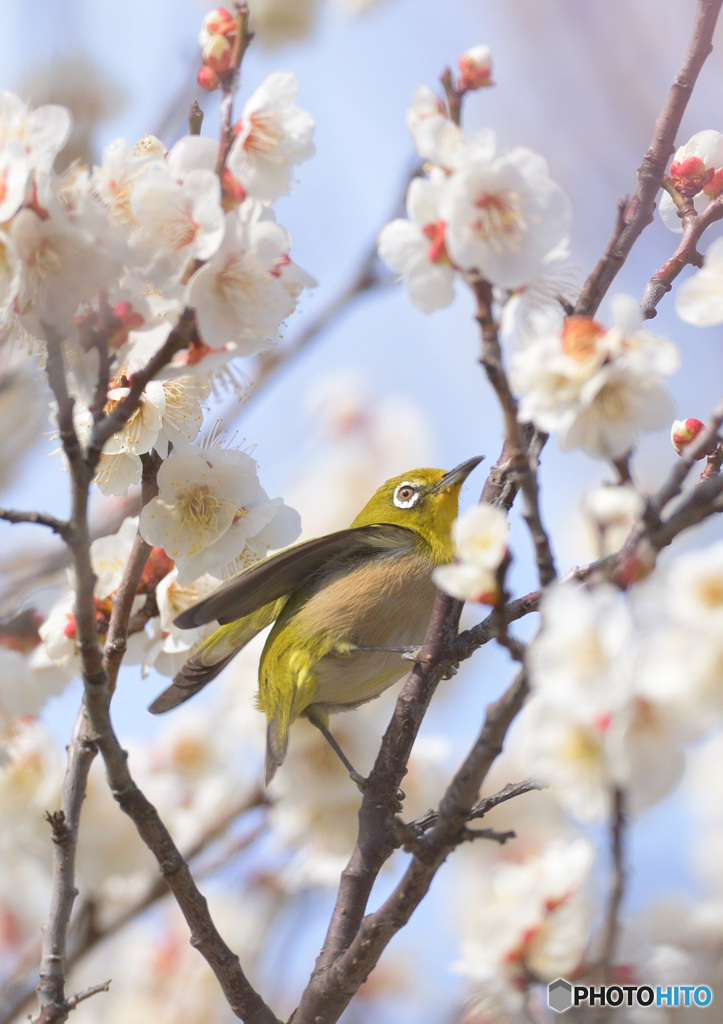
<point x="405" y="495"/>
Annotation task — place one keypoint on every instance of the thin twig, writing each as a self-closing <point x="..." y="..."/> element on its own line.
<point x="58" y="526"/>
<point x="611" y="929"/>
<point x="638" y="211"/>
<point x="694" y="224"/>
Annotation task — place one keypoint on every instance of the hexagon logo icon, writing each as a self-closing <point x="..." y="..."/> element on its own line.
<point x="559" y="995"/>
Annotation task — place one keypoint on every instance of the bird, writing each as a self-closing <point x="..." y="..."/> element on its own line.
<point x="346" y="609"/>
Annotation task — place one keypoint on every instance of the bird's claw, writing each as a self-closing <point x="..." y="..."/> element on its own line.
<point x="361" y="784"/>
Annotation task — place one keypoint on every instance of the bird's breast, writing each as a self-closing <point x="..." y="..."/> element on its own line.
<point x="382" y="602"/>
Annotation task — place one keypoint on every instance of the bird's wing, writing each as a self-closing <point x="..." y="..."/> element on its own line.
<point x="291" y="569"/>
<point x="212" y="655"/>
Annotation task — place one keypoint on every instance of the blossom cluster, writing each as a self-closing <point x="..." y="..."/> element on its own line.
<point x="596" y="388"/>
<point x="105" y="263"/>
<point x="623" y="683"/>
<point x="478" y="210"/>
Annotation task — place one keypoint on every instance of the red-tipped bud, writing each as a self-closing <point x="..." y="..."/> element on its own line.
<point x="685" y="431"/>
<point x="219" y="22"/>
<point x="690" y="176"/>
<point x="475" y="69"/>
<point x="208" y="79"/>
<point x="217" y="54"/>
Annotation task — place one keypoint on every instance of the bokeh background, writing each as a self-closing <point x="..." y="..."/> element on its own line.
<point x="380" y="387"/>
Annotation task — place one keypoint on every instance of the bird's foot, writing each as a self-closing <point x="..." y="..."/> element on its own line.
<point x="362" y="784"/>
<point x="409" y="653"/>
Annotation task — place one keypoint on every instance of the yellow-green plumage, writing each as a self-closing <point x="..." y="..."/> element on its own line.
<point x="368" y="586"/>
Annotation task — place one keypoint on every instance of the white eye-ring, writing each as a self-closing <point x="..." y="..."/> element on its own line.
<point x="405" y="494"/>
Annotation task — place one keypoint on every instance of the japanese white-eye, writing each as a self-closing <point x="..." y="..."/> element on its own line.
<point x="344" y="607"/>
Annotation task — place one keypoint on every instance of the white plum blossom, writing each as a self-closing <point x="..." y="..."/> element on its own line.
<point x="596" y="723"/>
<point x="697" y="172"/>
<point x="438" y="139"/>
<point x="261" y="523"/>
<point x="113" y="181"/>
<point x="170" y="646"/>
<point x="14" y="173"/>
<point x="42" y="132"/>
<point x="531" y="920"/>
<point x="415" y="248"/>
<point x="614" y="509"/>
<point x="527" y="311"/>
<point x="250" y="286"/>
<point x="596" y="388"/>
<point x="209" y="505"/>
<point x="699" y="299"/>
<point x="110" y="555"/>
<point x="480" y="537"/>
<point x="503" y="216"/>
<point x="64" y="263"/>
<point x="176" y="222"/>
<point x="272" y="136"/>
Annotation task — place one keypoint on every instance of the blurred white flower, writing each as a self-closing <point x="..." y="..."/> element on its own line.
<point x="699" y="299"/>
<point x="42" y="132"/>
<point x="531" y="921"/>
<point x="596" y="721"/>
<point x="480" y="537"/>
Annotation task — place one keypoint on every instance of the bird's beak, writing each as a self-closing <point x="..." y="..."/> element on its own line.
<point x="457" y="475"/>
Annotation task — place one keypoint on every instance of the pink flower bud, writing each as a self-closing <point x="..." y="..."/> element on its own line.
<point x="217" y="54"/>
<point x="475" y="68"/>
<point x="685" y="431"/>
<point x="207" y="78"/>
<point x="690" y="176"/>
<point x="219" y="22"/>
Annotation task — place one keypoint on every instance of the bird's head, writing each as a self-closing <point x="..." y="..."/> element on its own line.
<point x="423" y="500"/>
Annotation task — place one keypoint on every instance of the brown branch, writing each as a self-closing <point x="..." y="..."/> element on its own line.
<point x="518" y="441"/>
<point x="58" y="526"/>
<point x="376" y="835"/>
<point x="509" y="792"/>
<point x="47" y="1017"/>
<point x="333" y="985"/>
<point x="242" y="998"/>
<point x="694" y="225"/>
<point x="116" y="639"/>
<point x="230" y="84"/>
<point x="14" y="1000"/>
<point x="639" y="210"/>
<point x="611" y="929"/>
<point x="182" y="334"/>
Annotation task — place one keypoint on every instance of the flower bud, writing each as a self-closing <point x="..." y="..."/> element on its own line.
<point x="217" y="54"/>
<point x="218" y="22"/>
<point x="208" y="79"/>
<point x="475" y="68"/>
<point x="685" y="431"/>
